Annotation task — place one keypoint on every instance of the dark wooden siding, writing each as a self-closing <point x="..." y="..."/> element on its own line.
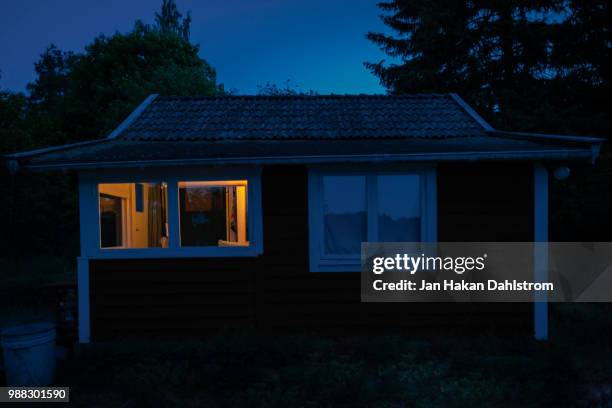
<point x="178" y="296"/>
<point x="485" y="202"/>
<point x="276" y="291"/>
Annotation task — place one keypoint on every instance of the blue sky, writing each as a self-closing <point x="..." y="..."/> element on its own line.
<point x="317" y="44"/>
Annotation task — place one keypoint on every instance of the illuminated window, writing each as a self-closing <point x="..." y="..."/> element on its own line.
<point x="133" y="215"/>
<point x="213" y="213"/>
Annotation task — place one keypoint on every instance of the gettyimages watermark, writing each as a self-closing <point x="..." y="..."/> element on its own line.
<point x="486" y="272"/>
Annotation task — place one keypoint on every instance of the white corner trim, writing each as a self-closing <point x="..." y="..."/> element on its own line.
<point x="132" y="117"/>
<point x="83" y="299"/>
<point x="540" y="305"/>
<point x="471" y="112"/>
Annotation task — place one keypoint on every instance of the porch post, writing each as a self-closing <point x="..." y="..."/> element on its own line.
<point x="83" y="297"/>
<point x="88" y="214"/>
<point x="540" y="249"/>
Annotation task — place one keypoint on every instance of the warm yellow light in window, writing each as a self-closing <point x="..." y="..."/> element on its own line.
<point x="213" y="183"/>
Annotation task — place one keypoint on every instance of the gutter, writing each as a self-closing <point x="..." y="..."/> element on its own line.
<point x="565" y="138"/>
<point x="558" y="154"/>
<point x="12" y="160"/>
<point x="592" y="143"/>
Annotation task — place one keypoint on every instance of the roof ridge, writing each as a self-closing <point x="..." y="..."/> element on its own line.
<point x="317" y="96"/>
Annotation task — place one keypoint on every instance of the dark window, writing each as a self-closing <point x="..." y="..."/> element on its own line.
<point x="111" y="221"/>
<point x="345" y="214"/>
<point x="139" y="192"/>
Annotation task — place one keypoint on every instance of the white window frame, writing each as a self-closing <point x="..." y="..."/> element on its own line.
<point x="90" y="222"/>
<point x="319" y="262"/>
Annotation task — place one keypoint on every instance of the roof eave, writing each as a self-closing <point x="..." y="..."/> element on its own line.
<point x="13" y="159"/>
<point x="585" y="140"/>
<point x="550" y="155"/>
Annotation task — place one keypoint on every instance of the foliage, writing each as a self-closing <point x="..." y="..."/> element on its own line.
<point x="311" y="370"/>
<point x="379" y="370"/>
<point x="20" y="295"/>
<point x="540" y="66"/>
<point x="170" y="20"/>
<point x="116" y="73"/>
<point x="81" y="96"/>
<point x="13" y="113"/>
<point x="288" y="89"/>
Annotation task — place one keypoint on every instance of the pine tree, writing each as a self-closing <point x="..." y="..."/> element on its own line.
<point x="493" y="53"/>
<point x="542" y="66"/>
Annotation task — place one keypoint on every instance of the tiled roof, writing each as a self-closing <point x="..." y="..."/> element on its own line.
<point x="302" y="117"/>
<point x="304" y="129"/>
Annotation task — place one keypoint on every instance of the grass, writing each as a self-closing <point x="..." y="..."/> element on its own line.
<point x="574" y="369"/>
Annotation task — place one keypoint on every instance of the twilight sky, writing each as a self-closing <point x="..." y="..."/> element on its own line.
<point x="317" y="44"/>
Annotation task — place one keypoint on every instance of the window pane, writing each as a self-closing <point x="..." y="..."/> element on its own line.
<point x="399" y="208"/>
<point x="213" y="213"/>
<point x="344" y="212"/>
<point x="133" y="215"/>
<point x="111" y="221"/>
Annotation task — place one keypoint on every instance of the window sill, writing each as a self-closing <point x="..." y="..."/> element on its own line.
<point x="348" y="265"/>
<point x="203" y="252"/>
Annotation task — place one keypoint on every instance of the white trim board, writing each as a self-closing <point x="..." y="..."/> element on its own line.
<point x="132" y="116"/>
<point x="540" y="192"/>
<point x="470" y="111"/>
<point x="83" y="299"/>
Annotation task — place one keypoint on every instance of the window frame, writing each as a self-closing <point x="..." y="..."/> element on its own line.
<point x="319" y="261"/>
<point x="90" y="223"/>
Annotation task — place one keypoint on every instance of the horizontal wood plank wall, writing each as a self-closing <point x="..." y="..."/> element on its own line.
<point x="174" y="297"/>
<point x="485" y="202"/>
<point x="488" y="202"/>
<point x="294" y="297"/>
<point x="476" y="202"/>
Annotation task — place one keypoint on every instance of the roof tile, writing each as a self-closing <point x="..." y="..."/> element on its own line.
<point x="302" y="117"/>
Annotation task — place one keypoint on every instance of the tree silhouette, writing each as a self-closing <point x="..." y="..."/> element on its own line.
<point x="170" y="20"/>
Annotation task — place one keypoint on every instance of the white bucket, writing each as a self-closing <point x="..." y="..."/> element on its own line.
<point x="29" y="354"/>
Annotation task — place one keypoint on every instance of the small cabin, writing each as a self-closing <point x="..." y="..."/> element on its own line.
<point x="199" y="214"/>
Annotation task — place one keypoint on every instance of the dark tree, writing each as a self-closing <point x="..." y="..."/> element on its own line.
<point x="116" y="73"/>
<point x="79" y="96"/>
<point x="288" y="89"/>
<point x="170" y="20"/>
<point x="525" y="65"/>
<point x="52" y="77"/>
<point x="493" y="53"/>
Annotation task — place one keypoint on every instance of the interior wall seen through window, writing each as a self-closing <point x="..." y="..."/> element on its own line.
<point x="133" y="215"/>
